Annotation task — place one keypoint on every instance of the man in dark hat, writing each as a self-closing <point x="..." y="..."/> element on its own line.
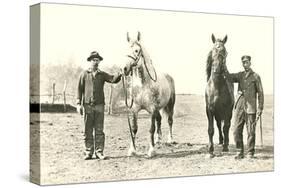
<point x="245" y="109"/>
<point x="90" y="103"/>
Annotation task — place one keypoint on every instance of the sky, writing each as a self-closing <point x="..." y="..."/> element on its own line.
<point x="177" y="42"/>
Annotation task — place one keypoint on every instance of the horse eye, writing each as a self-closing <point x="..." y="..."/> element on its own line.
<point x="136" y="51"/>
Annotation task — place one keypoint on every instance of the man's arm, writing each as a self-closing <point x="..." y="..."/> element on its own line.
<point x="232" y="77"/>
<point x="260" y="95"/>
<point x="112" y="78"/>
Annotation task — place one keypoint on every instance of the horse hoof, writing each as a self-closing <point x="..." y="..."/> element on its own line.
<point x="158" y="140"/>
<point x="131" y="153"/>
<point x="225" y="150"/>
<point x="170" y="141"/>
<point x="151" y="154"/>
<point x="210" y="156"/>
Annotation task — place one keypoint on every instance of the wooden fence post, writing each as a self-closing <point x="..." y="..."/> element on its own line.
<point x="53" y="92"/>
<point x="64" y="97"/>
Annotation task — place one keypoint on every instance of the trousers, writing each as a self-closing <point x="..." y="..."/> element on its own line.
<point x="94" y="136"/>
<point x="240" y="119"/>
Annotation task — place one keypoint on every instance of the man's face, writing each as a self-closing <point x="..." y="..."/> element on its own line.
<point x="95" y="63"/>
<point x="246" y="64"/>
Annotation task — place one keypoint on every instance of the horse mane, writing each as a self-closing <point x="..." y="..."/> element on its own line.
<point x="147" y="59"/>
<point x="145" y="54"/>
<point x="209" y="65"/>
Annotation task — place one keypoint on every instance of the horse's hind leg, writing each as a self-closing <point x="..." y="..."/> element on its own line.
<point x="132" y="149"/>
<point x="152" y="131"/>
<point x="170" y="112"/>
<point x="158" y="132"/>
<point x="170" y="122"/>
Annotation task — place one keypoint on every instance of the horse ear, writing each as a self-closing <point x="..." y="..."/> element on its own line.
<point x="138" y="36"/>
<point x="225" y="39"/>
<point x="128" y="38"/>
<point x="213" y="38"/>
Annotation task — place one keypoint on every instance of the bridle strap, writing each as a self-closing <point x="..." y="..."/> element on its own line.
<point x="132" y="57"/>
<point x="136" y="60"/>
<point x="224" y="60"/>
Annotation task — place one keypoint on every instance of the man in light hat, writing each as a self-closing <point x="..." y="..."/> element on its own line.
<point x="245" y="109"/>
<point x="90" y="103"/>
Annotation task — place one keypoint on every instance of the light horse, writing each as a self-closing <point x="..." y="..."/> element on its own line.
<point x="218" y="95"/>
<point x="151" y="91"/>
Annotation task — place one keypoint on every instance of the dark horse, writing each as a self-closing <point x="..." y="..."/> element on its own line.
<point x="218" y="95"/>
<point x="151" y="91"/>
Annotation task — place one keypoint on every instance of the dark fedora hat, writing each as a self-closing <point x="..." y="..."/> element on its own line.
<point x="93" y="55"/>
<point x="246" y="58"/>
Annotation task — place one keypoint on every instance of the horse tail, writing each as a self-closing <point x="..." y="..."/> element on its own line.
<point x="169" y="108"/>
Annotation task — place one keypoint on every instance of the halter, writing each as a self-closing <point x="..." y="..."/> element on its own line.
<point x="136" y="60"/>
<point x="224" y="59"/>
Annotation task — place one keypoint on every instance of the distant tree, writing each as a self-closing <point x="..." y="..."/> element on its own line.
<point x="59" y="73"/>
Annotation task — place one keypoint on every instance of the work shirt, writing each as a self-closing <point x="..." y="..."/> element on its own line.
<point x="91" y="84"/>
<point x="250" y="87"/>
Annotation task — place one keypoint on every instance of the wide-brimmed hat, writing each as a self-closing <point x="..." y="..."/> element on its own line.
<point x="246" y="58"/>
<point x="93" y="55"/>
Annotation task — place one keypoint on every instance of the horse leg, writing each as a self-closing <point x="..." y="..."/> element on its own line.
<point x="220" y="132"/>
<point x="226" y="135"/>
<point x="210" y="132"/>
<point x="170" y="122"/>
<point x="151" y="151"/>
<point x="158" y="132"/>
<point x="132" y="149"/>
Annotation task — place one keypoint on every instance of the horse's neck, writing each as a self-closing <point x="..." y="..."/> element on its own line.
<point x="141" y="75"/>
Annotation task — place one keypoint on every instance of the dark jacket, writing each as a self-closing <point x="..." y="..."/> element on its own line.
<point x="250" y="87"/>
<point x="90" y="87"/>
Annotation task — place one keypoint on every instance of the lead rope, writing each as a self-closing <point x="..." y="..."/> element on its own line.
<point x="127" y="109"/>
<point x="126" y="94"/>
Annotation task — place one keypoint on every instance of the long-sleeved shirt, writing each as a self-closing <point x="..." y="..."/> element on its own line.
<point x="91" y="85"/>
<point x="250" y="86"/>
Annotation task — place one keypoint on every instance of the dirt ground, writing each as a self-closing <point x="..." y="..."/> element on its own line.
<point x="61" y="145"/>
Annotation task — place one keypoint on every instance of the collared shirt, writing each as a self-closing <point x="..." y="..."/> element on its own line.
<point x="91" y="84"/>
<point x="250" y="86"/>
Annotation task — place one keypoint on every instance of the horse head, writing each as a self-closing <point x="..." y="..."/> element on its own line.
<point x="134" y="55"/>
<point x="217" y="56"/>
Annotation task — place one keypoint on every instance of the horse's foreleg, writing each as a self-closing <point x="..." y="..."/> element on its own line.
<point x="152" y="131"/>
<point x="210" y="132"/>
<point x="158" y="132"/>
<point x="134" y="124"/>
<point x="220" y="132"/>
<point x="226" y="135"/>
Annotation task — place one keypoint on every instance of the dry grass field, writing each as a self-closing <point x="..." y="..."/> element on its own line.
<point x="61" y="147"/>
